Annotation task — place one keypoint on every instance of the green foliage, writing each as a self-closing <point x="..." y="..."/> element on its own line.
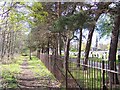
<point x="36" y="7"/>
<point x="69" y="22"/>
<point x="37" y="13"/>
<point x="104" y="25"/>
<point x="9" y="80"/>
<point x="9" y="72"/>
<point x="73" y="49"/>
<point x="16" y="17"/>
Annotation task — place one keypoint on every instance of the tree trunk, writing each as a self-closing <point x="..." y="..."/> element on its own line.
<point x="89" y="40"/>
<point x="113" y="50"/>
<point x="30" y="55"/>
<point x="56" y="47"/>
<point x="42" y="51"/>
<point x="8" y="45"/>
<point x="88" y="45"/>
<point x="12" y="45"/>
<point x="59" y="35"/>
<point x="66" y="58"/>
<point x="59" y="45"/>
<point x="3" y="44"/>
<point x="38" y="53"/>
<point x="79" y="53"/>
<point x="48" y="47"/>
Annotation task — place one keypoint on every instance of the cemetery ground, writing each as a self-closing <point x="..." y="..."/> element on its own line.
<point x="94" y="58"/>
<point x="26" y="74"/>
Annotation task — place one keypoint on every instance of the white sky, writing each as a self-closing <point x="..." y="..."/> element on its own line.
<point x="104" y="40"/>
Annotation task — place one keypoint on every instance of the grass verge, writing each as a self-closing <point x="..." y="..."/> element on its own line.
<point x="39" y="69"/>
<point x="9" y="72"/>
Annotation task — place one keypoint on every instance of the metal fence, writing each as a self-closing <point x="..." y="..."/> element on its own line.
<point x="96" y="76"/>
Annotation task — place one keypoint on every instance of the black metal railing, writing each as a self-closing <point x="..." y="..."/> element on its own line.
<point x="96" y="76"/>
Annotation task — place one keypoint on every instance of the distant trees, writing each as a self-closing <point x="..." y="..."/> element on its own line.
<point x="10" y="31"/>
<point x="14" y="24"/>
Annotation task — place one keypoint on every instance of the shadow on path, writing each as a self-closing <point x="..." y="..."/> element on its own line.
<point x="27" y="80"/>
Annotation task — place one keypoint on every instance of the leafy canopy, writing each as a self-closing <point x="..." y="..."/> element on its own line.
<point x="37" y="14"/>
<point x="71" y="23"/>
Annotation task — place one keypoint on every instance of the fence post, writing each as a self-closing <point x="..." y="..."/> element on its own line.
<point x="103" y="75"/>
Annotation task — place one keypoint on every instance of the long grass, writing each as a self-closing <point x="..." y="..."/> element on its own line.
<point x="39" y="69"/>
<point x="9" y="72"/>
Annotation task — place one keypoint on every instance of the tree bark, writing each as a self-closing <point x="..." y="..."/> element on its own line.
<point x="66" y="58"/>
<point x="48" y="47"/>
<point x="79" y="53"/>
<point x="59" y="45"/>
<point x="59" y="36"/>
<point x="89" y="40"/>
<point x="12" y="44"/>
<point x="56" y="47"/>
<point x="88" y="45"/>
<point x="8" y="45"/>
<point x="30" y="55"/>
<point x="113" y="50"/>
<point x="38" y="53"/>
<point x="3" y="44"/>
<point x="42" y="49"/>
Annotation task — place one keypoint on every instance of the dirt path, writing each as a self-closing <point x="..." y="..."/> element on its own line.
<point x="27" y="81"/>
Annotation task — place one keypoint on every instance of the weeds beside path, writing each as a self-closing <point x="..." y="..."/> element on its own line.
<point x="35" y="75"/>
<point x="9" y="71"/>
<point x="25" y="74"/>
